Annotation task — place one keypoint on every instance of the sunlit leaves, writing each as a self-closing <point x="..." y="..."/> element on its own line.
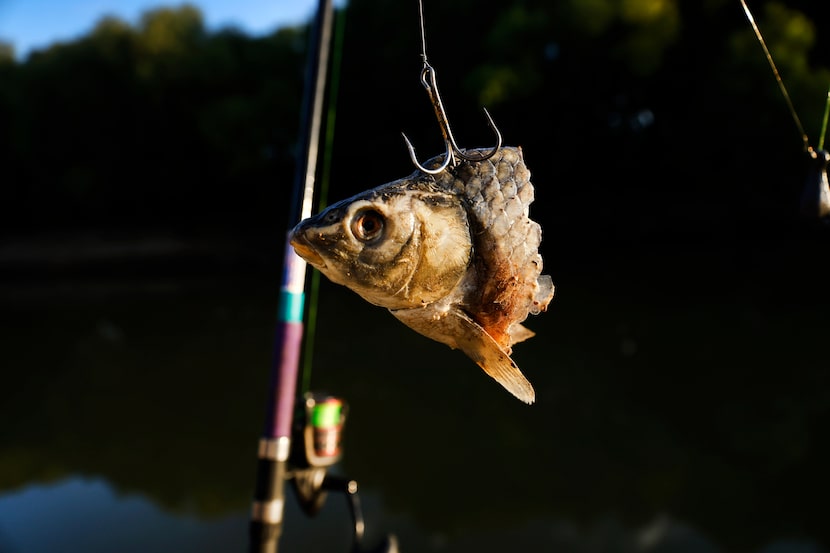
<point x="659" y="26"/>
<point x="165" y="36"/>
<point x="139" y="122"/>
<point x="797" y="36"/>
<point x="110" y="26"/>
<point x="648" y="27"/>
<point x="167" y="31"/>
<point x="789" y="36"/>
<point x="165" y="112"/>
<point x="592" y="16"/>
<point x="511" y="71"/>
<point x="6" y="53"/>
<point x="644" y="12"/>
<point x="497" y="83"/>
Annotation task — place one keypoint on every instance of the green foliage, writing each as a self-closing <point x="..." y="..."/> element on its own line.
<point x="657" y="26"/>
<point x="6" y="53"/>
<point x="650" y="26"/>
<point x="150" y="124"/>
<point x="790" y="38"/>
<point x="593" y="17"/>
<point x="165" y="122"/>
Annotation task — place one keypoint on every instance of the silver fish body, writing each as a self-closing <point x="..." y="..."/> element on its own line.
<point x="454" y="256"/>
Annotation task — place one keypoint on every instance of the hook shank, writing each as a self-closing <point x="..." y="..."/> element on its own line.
<point x="429" y="80"/>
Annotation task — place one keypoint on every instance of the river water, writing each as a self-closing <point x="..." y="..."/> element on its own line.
<point x="683" y="402"/>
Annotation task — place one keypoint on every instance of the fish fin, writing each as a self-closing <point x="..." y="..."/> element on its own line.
<point x="520" y="333"/>
<point x="457" y="330"/>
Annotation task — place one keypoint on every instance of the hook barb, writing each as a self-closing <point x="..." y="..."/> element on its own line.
<point x="447" y="158"/>
<point x="429" y="80"/>
<point x="491" y="153"/>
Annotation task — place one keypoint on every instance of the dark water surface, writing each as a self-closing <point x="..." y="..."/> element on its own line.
<point x="683" y="405"/>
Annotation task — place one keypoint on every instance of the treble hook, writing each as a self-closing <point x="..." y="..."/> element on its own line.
<point x="430" y="81"/>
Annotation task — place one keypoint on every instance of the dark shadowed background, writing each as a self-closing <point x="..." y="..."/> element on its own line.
<point x="681" y="370"/>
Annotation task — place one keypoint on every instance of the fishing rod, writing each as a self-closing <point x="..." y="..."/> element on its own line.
<point x="815" y="197"/>
<point x="274" y="448"/>
<point x="301" y="439"/>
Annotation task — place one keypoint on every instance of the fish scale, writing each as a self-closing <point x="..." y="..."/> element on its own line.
<point x="453" y="255"/>
<point x="499" y="193"/>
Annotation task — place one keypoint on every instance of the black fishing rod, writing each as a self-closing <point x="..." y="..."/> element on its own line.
<point x="302" y="435"/>
<point x="275" y="444"/>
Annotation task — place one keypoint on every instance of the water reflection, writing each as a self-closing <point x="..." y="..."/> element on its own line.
<point x="80" y="515"/>
<point x="87" y="515"/>
<point x="676" y="412"/>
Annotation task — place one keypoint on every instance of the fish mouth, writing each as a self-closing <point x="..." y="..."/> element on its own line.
<point x="304" y="250"/>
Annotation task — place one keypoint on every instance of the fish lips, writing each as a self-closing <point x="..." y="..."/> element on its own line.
<point x="304" y="249"/>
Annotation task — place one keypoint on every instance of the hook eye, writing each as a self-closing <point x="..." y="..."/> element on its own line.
<point x="429" y="79"/>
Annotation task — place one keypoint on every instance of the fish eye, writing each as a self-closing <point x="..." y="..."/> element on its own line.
<point x="367" y="225"/>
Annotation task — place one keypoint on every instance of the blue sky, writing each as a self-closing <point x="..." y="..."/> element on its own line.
<point x="34" y="24"/>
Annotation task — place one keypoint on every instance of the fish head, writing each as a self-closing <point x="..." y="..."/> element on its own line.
<point x="398" y="246"/>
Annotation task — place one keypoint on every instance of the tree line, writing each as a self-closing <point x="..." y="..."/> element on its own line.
<point x="627" y="111"/>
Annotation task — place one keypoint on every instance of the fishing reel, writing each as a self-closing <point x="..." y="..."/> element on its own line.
<point x="318" y="432"/>
<point x="318" y="439"/>
<point x="318" y="426"/>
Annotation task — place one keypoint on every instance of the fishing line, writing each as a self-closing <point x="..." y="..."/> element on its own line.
<point x="325" y="174"/>
<point x="429" y="80"/>
<point x="824" y="122"/>
<point x="423" y="32"/>
<point x="798" y="124"/>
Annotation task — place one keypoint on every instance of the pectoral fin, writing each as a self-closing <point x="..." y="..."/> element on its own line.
<point x="457" y="330"/>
